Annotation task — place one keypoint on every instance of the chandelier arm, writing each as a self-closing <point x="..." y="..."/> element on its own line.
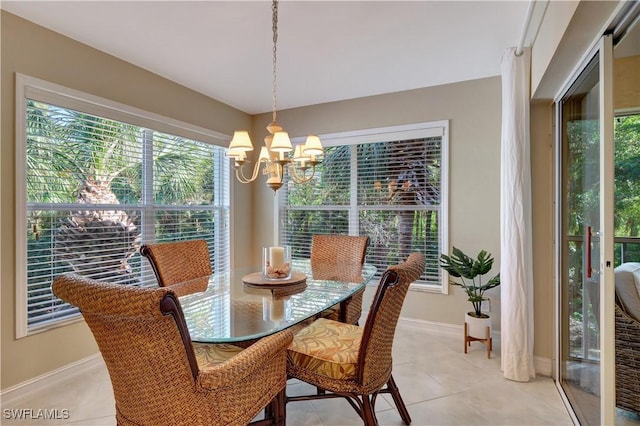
<point x="240" y="173"/>
<point x="297" y="178"/>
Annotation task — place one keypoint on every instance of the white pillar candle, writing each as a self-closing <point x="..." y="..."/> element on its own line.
<point x="276" y="257"/>
<point x="277" y="310"/>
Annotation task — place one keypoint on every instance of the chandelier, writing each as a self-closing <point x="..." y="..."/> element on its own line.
<point x="275" y="156"/>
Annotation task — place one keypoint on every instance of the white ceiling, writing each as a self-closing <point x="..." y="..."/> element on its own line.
<point x="327" y="50"/>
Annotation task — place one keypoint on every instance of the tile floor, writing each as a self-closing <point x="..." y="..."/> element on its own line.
<point x="439" y="383"/>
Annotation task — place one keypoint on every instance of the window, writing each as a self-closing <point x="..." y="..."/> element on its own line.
<point x="389" y="184"/>
<point x="95" y="180"/>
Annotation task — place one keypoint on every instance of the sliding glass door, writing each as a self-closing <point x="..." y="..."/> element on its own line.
<point x="585" y="117"/>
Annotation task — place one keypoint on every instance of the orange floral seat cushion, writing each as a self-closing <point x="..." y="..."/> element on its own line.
<point x="326" y="347"/>
<point x="210" y="354"/>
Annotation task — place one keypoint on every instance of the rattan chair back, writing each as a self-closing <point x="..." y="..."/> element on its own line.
<point x="178" y="261"/>
<point x="334" y="248"/>
<point x="340" y="257"/>
<point x="377" y="340"/>
<point x="145" y="344"/>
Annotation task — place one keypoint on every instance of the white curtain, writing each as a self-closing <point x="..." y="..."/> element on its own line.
<point x="516" y="288"/>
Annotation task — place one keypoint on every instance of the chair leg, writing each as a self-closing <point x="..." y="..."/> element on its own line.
<point x="280" y="418"/>
<point x="395" y="393"/>
<point x="368" y="411"/>
<point x="276" y="411"/>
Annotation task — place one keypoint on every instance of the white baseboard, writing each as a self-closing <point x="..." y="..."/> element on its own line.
<point x="12" y="395"/>
<point x="440" y="327"/>
<point x="543" y="366"/>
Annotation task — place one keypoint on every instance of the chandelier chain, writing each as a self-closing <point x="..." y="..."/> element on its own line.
<point x="274" y="27"/>
<point x="278" y="155"/>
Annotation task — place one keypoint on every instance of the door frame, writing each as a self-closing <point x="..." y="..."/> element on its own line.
<point x="607" y="200"/>
<point x="603" y="49"/>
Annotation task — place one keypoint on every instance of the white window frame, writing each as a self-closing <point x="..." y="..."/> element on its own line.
<point x="28" y="87"/>
<point x="400" y="132"/>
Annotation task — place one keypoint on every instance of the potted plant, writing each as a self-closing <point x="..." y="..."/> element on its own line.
<point x="470" y="272"/>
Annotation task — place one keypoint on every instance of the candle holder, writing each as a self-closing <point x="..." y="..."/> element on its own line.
<point x="276" y="263"/>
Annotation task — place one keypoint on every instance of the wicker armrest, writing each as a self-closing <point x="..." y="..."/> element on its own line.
<point x="255" y="359"/>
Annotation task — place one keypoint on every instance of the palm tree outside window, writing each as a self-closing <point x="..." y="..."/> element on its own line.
<point x="389" y="185"/>
<point x="96" y="188"/>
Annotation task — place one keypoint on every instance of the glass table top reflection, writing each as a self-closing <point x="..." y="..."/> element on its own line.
<point x="221" y="308"/>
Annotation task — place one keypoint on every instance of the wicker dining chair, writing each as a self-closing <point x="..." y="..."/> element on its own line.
<point x="344" y="255"/>
<point x="178" y="261"/>
<point x="627" y="336"/>
<point x="355" y="362"/>
<point x="158" y="377"/>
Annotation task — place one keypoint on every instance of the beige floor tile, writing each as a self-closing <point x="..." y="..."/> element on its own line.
<point x="438" y="382"/>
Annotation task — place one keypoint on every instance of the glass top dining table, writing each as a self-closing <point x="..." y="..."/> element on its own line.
<point x="230" y="307"/>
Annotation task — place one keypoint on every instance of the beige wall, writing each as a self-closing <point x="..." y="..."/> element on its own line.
<point x="35" y="51"/>
<point x="543" y="227"/>
<point x="474" y="114"/>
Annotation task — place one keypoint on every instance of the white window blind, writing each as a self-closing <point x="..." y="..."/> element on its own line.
<point x="391" y="190"/>
<point x="96" y="189"/>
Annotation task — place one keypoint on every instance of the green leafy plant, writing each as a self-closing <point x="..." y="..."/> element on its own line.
<point x="470" y="271"/>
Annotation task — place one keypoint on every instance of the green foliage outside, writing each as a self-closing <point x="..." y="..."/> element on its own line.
<point x="385" y="176"/>
<point x="79" y="159"/>
<point x="581" y="186"/>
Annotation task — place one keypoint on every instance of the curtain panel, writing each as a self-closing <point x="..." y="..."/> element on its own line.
<point x="516" y="289"/>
